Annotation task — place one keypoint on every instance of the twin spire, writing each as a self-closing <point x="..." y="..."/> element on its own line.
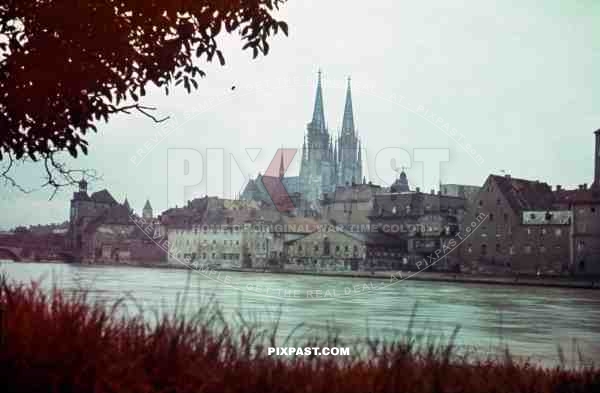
<point x="348" y="121"/>
<point x="318" y="119"/>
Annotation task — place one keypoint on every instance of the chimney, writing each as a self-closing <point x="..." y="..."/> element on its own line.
<point x="432" y="192"/>
<point x="558" y="187"/>
<point x="585" y="186"/>
<point x="596" y="184"/>
<point x="418" y="189"/>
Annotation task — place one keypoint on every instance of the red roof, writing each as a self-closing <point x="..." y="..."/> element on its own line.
<point x="525" y="194"/>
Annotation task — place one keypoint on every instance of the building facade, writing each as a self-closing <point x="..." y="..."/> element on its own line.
<point x="223" y="233"/>
<point x="102" y="230"/>
<point x="421" y="223"/>
<point x="328" y="161"/>
<point x="524" y="230"/>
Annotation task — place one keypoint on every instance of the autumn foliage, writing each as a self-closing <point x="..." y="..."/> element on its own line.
<point x="58" y="343"/>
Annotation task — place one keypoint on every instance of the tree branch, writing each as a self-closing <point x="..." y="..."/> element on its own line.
<point x="140" y="108"/>
<point x="57" y="175"/>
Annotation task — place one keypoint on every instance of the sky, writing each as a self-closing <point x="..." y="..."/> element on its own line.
<point x="493" y="87"/>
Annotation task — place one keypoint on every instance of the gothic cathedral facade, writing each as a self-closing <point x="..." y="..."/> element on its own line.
<point x="329" y="161"/>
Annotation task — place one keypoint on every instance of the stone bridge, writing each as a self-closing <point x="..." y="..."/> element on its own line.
<point x="32" y="247"/>
<point x="8" y="252"/>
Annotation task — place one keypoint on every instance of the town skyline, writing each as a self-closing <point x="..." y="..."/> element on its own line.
<point x="505" y="117"/>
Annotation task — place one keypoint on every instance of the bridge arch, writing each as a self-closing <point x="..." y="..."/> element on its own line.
<point x="9" y="253"/>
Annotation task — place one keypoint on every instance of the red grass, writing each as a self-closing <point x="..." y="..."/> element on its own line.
<point x="59" y="343"/>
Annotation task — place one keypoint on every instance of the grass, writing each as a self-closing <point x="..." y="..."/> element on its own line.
<point x="54" y="342"/>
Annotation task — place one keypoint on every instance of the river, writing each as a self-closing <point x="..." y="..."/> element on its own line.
<point x="532" y="321"/>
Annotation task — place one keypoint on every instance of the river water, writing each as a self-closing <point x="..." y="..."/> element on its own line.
<point x="532" y="321"/>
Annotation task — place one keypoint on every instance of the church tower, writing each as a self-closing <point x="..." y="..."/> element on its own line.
<point x="317" y="169"/>
<point x="147" y="211"/>
<point x="350" y="150"/>
<point x="327" y="161"/>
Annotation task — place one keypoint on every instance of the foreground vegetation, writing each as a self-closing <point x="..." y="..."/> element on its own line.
<point x="62" y="343"/>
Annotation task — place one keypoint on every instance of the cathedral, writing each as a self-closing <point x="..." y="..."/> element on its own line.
<point x="329" y="161"/>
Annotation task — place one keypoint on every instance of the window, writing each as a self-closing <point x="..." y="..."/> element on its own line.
<point x="527" y="249"/>
<point x="593" y="210"/>
<point x="498" y="247"/>
<point x="480" y="202"/>
<point x="498" y="202"/>
<point x="529" y="231"/>
<point x="394" y="210"/>
<point x="558" y="232"/>
<point x="511" y="250"/>
<point x="543" y="231"/>
<point x="407" y="208"/>
<point x="491" y="216"/>
<point x="484" y="249"/>
<point x="505" y="217"/>
<point x="469" y="248"/>
<point x="542" y="249"/>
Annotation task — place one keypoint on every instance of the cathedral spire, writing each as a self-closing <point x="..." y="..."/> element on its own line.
<point x="335" y="151"/>
<point x="281" y="167"/>
<point x="304" y="153"/>
<point x="318" y="119"/>
<point x="126" y="204"/>
<point x="359" y="152"/>
<point x="348" y="121"/>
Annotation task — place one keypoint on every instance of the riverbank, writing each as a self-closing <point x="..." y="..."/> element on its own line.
<point x="518" y="280"/>
<point x="424" y="275"/>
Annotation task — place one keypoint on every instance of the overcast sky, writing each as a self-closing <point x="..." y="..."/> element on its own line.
<point x="517" y="81"/>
